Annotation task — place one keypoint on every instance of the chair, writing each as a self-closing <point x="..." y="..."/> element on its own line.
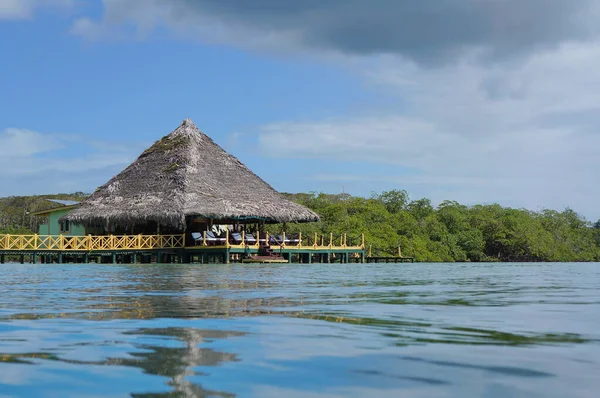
<point x="293" y="240"/>
<point x="250" y="239"/>
<point x="236" y="238"/>
<point x="197" y="236"/>
<point x="275" y="240"/>
<point x="212" y="238"/>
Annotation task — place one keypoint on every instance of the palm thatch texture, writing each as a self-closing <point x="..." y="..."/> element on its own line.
<point x="186" y="174"/>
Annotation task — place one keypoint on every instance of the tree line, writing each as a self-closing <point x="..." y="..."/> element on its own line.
<point x="451" y="231"/>
<point x="445" y="233"/>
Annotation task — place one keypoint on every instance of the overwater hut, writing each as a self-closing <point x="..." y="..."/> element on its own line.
<point x="185" y="182"/>
<point x="51" y="219"/>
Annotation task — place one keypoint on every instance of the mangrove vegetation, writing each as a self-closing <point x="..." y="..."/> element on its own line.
<point x="447" y="232"/>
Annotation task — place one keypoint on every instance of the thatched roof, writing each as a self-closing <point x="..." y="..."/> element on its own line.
<point x="186" y="174"/>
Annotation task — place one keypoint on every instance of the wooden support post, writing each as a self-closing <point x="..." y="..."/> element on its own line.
<point x="2" y="258"/>
<point x="60" y="258"/>
<point x="114" y="257"/>
<point x="22" y="259"/>
<point x="86" y="258"/>
<point x="34" y="258"/>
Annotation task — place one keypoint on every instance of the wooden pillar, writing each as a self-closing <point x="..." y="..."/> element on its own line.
<point x="60" y="258"/>
<point x="114" y="257"/>
<point x="86" y="258"/>
<point x="34" y="258"/>
<point x="22" y="258"/>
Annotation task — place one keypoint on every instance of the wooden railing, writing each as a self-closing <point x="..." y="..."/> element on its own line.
<point x="90" y="243"/>
<point x="313" y="241"/>
<point x="149" y="242"/>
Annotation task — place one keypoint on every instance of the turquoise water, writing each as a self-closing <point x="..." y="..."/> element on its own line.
<point x="366" y="330"/>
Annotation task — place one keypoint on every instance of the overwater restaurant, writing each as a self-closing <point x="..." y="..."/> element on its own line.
<point x="184" y="199"/>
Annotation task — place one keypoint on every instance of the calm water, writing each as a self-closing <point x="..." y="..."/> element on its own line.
<point x="411" y="330"/>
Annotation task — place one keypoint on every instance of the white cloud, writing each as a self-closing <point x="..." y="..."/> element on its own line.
<point x="525" y="133"/>
<point x="24" y="9"/>
<point x="16" y="143"/>
<point x="513" y="117"/>
<point x="33" y="162"/>
<point x="135" y="19"/>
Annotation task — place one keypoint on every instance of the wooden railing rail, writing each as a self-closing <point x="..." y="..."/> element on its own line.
<point x="89" y="242"/>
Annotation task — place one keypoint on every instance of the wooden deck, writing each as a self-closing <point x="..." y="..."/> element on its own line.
<point x="389" y="259"/>
<point x="180" y="248"/>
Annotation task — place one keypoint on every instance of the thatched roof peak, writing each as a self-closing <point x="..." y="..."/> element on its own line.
<point x="187" y="126"/>
<point x="186" y="173"/>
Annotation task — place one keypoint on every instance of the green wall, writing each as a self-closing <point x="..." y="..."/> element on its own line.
<point x="52" y="226"/>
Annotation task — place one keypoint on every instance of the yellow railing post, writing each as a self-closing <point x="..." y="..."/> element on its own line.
<point x="362" y="244"/>
<point x="61" y="242"/>
<point x="227" y="237"/>
<point x="300" y="238"/>
<point x="315" y="241"/>
<point x="345" y="239"/>
<point x="204" y="238"/>
<point x="36" y="245"/>
<point x="322" y="240"/>
<point x="283" y="239"/>
<point x="330" y="239"/>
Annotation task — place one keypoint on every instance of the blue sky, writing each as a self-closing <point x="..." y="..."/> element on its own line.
<point x="463" y="100"/>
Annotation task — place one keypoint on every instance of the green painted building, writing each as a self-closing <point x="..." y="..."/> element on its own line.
<point x="52" y="226"/>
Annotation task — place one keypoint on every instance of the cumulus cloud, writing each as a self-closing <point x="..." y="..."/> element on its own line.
<point x="23" y="9"/>
<point x="525" y="135"/>
<point x="426" y="31"/>
<point x="34" y="162"/>
<point x="498" y="98"/>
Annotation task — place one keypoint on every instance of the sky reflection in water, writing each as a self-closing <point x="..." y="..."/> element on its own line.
<point x="420" y="330"/>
